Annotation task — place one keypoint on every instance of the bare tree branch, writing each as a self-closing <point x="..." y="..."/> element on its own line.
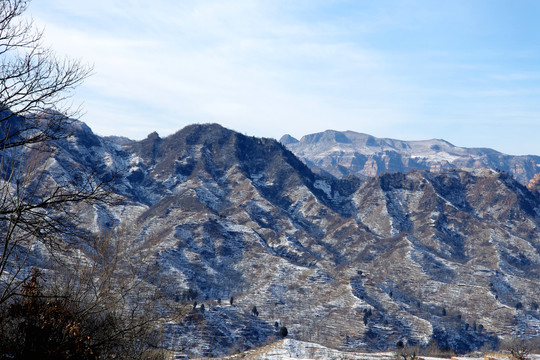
<point x="34" y="114"/>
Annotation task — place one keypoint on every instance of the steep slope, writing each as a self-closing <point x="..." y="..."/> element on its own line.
<point x="452" y="256"/>
<point x="348" y="152"/>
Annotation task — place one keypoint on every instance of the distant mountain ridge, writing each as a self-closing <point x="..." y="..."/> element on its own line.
<point x="343" y="153"/>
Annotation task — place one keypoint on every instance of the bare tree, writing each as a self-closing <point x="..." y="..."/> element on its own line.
<point x="34" y="113"/>
<point x="519" y="348"/>
<point x="98" y="303"/>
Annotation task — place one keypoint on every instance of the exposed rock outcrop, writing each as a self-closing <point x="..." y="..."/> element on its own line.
<point x="534" y="183"/>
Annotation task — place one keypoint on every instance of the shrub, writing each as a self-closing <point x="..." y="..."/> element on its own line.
<point x="35" y="326"/>
<point x="408" y="353"/>
<point x="45" y="323"/>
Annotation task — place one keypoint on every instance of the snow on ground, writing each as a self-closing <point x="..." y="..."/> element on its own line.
<point x="324" y="186"/>
<point x="288" y="349"/>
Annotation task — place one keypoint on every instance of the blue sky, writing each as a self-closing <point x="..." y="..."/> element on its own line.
<point x="467" y="71"/>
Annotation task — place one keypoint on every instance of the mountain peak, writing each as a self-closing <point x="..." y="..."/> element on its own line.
<point x="153" y="136"/>
<point x="288" y="139"/>
<point x="328" y="136"/>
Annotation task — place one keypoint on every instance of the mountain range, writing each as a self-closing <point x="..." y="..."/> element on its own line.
<point x="348" y="152"/>
<point x="418" y="249"/>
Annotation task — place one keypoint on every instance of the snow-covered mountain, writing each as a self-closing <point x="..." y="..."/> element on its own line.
<point x="348" y="152"/>
<point x="237" y="223"/>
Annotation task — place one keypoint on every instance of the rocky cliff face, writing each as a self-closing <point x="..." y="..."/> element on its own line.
<point x="534" y="183"/>
<point x="348" y="152"/>
<point x="451" y="255"/>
